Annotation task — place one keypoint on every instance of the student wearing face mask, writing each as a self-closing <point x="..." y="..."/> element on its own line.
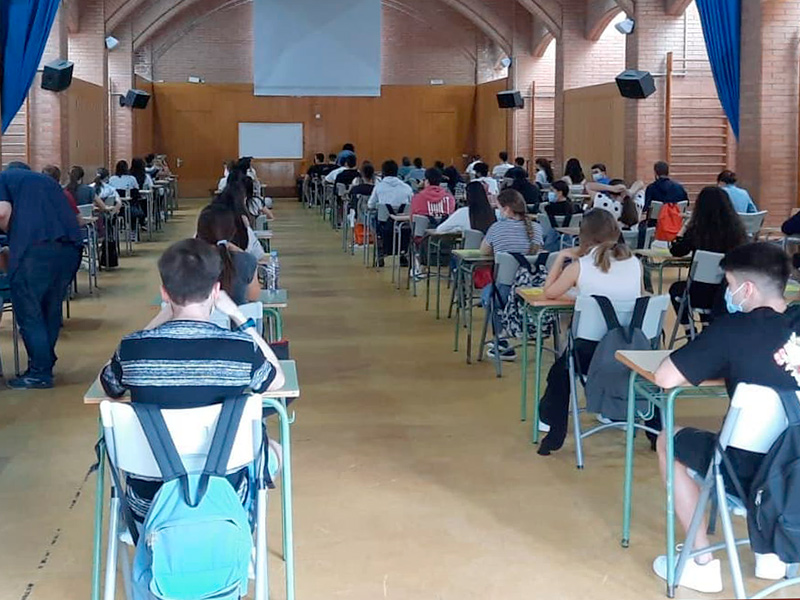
<point x="599" y="174"/>
<point x="751" y="345"/>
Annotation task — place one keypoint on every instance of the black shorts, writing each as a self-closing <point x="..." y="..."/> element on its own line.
<point x="694" y="448"/>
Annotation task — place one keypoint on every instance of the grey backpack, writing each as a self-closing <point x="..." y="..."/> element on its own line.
<point x="607" y="379"/>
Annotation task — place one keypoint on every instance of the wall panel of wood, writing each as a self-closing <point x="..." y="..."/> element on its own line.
<point x="143" y="121"/>
<point x="594" y="128"/>
<point x="491" y="122"/>
<point x="86" y="105"/>
<point x="198" y="124"/>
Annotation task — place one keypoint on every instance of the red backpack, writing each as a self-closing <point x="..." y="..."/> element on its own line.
<point x="670" y="222"/>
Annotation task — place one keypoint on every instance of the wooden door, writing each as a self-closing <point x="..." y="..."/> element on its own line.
<point x="190" y="138"/>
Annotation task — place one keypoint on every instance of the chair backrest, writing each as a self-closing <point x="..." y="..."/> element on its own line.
<point x="631" y="237"/>
<point x="123" y="193"/>
<point x="588" y="322"/>
<point x="576" y="190"/>
<point x="753" y="221"/>
<point x="655" y="208"/>
<point x="383" y="211"/>
<point x="260" y="223"/>
<point x="505" y="267"/>
<point x="85" y="210"/>
<point x="755" y="419"/>
<point x="705" y="267"/>
<point x="361" y="204"/>
<point x="341" y="189"/>
<point x="420" y="225"/>
<point x="251" y="310"/>
<point x="472" y="239"/>
<point x="683" y="205"/>
<point x="192" y="430"/>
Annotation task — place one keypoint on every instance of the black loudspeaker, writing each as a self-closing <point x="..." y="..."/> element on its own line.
<point x="135" y="99"/>
<point x="57" y="75"/>
<point x="510" y="99"/>
<point x="636" y="84"/>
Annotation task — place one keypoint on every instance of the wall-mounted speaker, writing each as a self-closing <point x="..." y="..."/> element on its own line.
<point x="636" y="84"/>
<point x="510" y="99"/>
<point x="57" y="75"/>
<point x="135" y="99"/>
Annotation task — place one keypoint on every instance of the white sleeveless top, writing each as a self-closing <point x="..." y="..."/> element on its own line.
<point x="622" y="282"/>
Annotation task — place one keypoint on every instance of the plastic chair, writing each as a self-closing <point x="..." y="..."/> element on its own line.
<point x="505" y="271"/>
<point x="655" y="209"/>
<point x="755" y="419"/>
<point x="589" y="324"/>
<point x="471" y="240"/>
<point x="631" y="237"/>
<point x="192" y="430"/>
<point x="753" y="222"/>
<point x="704" y="269"/>
<point x="606" y="202"/>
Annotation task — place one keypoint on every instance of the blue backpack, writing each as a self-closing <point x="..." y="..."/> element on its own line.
<point x="196" y="541"/>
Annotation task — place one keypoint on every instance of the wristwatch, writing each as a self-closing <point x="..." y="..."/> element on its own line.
<point x="247" y="325"/>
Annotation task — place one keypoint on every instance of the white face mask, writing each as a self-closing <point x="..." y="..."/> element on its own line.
<point x="597" y="176"/>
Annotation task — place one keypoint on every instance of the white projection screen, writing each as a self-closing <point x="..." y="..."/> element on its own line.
<point x="317" y="47"/>
<point x="271" y="140"/>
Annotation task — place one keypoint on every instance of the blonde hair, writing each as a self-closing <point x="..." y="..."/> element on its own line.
<point x="511" y="198"/>
<point x="600" y="232"/>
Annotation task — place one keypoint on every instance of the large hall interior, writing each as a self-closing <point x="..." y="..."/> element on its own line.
<point x="399" y="299"/>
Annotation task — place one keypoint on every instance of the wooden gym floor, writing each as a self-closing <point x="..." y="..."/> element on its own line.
<point x="414" y="478"/>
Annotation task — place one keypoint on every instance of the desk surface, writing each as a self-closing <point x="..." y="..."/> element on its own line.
<point x="401" y="218"/>
<point x="452" y="234"/>
<point x="535" y="297"/>
<point x="646" y="362"/>
<point x="471" y="255"/>
<point x="291" y="389"/>
<point x="662" y="254"/>
<point x="576" y="231"/>
<point x="263" y="234"/>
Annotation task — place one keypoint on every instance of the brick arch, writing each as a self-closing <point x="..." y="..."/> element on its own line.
<point x="549" y="12"/>
<point x="543" y="44"/>
<point x="598" y="20"/>
<point x="676" y="7"/>
<point x="397" y="5"/>
<point x="150" y="19"/>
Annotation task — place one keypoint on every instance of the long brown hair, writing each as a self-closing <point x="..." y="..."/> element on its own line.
<point x="216" y="225"/>
<point x="600" y="231"/>
<point x="511" y="198"/>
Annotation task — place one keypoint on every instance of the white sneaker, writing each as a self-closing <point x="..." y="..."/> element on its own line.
<point x="706" y="578"/>
<point x="544" y="427"/>
<point x="769" y="566"/>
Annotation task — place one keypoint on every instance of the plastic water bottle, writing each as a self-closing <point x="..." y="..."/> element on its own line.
<point x="275" y="268"/>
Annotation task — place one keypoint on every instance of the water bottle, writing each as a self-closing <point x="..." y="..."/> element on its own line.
<point x="276" y="270"/>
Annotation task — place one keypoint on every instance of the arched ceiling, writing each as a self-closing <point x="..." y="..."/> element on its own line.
<point x="149" y="19"/>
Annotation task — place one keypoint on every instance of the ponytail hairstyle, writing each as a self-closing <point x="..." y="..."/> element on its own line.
<point x="216" y="225"/>
<point x="512" y="199"/>
<point x="546" y="167"/>
<point x="233" y="198"/>
<point x="75" y="177"/>
<point x="600" y="232"/>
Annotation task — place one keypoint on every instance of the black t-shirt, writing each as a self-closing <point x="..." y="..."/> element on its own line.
<point x="347" y="176"/>
<point x="739" y="348"/>
<point x="327" y="168"/>
<point x="316" y="169"/>
<point x="362" y="189"/>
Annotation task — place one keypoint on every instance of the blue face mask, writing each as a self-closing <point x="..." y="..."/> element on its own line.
<point x="551" y="196"/>
<point x="730" y="304"/>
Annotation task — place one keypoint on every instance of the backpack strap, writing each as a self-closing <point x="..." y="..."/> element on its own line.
<point x="609" y="314"/>
<point x="161" y="445"/>
<point x="639" y="312"/>
<point x="522" y="262"/>
<point x="224" y="435"/>
<point x="390" y="208"/>
<point x="790" y="406"/>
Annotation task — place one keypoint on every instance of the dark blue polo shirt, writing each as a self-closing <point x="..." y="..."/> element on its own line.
<point x="664" y="190"/>
<point x="40" y="212"/>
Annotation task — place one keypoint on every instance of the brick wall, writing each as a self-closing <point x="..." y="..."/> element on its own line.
<point x="87" y="47"/>
<point x="433" y="42"/>
<point x="120" y="74"/>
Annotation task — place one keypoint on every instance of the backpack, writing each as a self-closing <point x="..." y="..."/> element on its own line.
<point x="670" y="222"/>
<point x="196" y="539"/>
<point x="607" y="379"/>
<point x="773" y="508"/>
<point x="527" y="276"/>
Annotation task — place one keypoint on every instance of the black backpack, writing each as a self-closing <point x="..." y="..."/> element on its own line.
<point x="773" y="511"/>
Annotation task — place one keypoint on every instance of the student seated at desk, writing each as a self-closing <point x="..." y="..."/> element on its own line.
<point x="477" y="214"/>
<point x="715" y="227"/>
<point x="396" y="195"/>
<point x="365" y="183"/>
<point x="516" y="234"/>
<point x="739" y="197"/>
<point x="234" y="197"/>
<point x="544" y="173"/>
<point x="559" y="205"/>
<point x="602" y="265"/>
<point x="182" y="360"/>
<point x="433" y="200"/>
<point x="216" y="225"/>
<point x="490" y="183"/>
<point x="741" y="347"/>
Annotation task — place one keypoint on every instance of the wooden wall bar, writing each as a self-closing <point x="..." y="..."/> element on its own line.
<point x="198" y="124"/>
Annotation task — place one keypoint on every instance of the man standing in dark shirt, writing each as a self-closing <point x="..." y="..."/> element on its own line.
<point x="664" y="189"/>
<point x="741" y="347"/>
<point x="45" y="253"/>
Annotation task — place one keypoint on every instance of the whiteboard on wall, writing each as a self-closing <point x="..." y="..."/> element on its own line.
<point x="271" y="140"/>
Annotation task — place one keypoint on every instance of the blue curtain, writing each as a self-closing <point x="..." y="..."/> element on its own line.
<point x="24" y="29"/>
<point x="721" y="20"/>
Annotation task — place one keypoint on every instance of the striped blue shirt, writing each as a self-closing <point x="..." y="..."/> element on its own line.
<point x="512" y="236"/>
<point x="185" y="364"/>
